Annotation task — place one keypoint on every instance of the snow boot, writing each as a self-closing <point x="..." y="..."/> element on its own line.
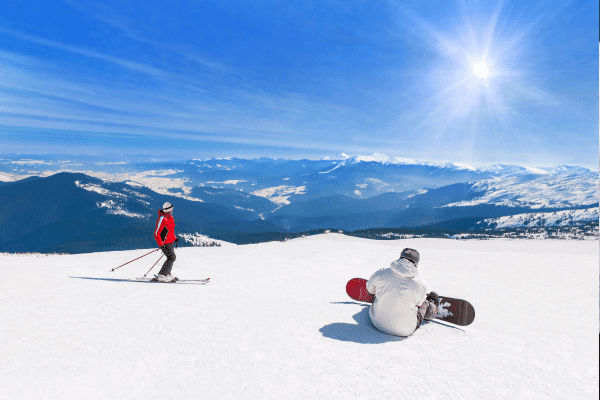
<point x="434" y="298"/>
<point x="163" y="278"/>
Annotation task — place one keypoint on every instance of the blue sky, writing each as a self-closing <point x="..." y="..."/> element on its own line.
<point x="473" y="82"/>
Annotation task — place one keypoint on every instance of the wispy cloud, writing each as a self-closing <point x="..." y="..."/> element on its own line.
<point x="37" y="95"/>
<point x="123" y="25"/>
<point x="128" y="64"/>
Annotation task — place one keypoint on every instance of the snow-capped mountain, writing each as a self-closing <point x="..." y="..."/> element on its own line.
<point x="566" y="188"/>
<point x="76" y="213"/>
<point x="501" y="170"/>
<point x="384" y="159"/>
<point x="556" y="218"/>
<point x="344" y="192"/>
<point x="471" y="201"/>
<point x="288" y="181"/>
<point x="282" y="182"/>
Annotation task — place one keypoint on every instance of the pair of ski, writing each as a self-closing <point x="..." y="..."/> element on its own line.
<point x="455" y="311"/>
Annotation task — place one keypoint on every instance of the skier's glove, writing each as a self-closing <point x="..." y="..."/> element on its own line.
<point x="434" y="298"/>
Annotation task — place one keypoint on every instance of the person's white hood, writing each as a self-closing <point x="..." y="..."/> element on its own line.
<point x="404" y="268"/>
<point x="398" y="294"/>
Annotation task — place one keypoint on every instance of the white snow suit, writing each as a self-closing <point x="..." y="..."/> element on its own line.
<point x="398" y="294"/>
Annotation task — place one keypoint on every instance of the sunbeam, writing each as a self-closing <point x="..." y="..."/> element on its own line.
<point x="481" y="69"/>
<point x="475" y="87"/>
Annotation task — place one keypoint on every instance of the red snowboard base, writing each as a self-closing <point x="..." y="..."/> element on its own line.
<point x="456" y="311"/>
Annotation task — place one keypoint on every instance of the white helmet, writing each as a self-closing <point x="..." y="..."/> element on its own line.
<point x="167" y="207"/>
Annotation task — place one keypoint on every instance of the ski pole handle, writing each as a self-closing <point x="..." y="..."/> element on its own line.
<point x="132" y="260"/>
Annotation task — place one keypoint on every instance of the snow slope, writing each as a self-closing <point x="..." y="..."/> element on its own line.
<point x="557" y="218"/>
<point x="275" y="323"/>
<point x="552" y="190"/>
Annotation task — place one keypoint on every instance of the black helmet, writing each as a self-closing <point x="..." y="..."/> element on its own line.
<point x="411" y="255"/>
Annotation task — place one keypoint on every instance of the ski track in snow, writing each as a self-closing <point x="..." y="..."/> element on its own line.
<point x="275" y="323"/>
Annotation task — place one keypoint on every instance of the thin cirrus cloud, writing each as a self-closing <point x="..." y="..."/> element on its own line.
<point x="41" y="97"/>
<point x="76" y="106"/>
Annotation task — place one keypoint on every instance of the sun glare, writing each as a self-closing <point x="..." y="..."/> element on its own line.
<point x="481" y="69"/>
<point x="472" y="82"/>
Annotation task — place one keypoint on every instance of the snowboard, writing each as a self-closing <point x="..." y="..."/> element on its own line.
<point x="456" y="311"/>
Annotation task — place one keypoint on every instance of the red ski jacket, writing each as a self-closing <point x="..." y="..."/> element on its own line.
<point x="165" y="228"/>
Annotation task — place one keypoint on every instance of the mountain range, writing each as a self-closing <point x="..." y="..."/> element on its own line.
<point x="83" y="205"/>
<point x="75" y="213"/>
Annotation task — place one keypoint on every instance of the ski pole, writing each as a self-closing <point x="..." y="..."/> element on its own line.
<point x="133" y="260"/>
<point x="154" y="265"/>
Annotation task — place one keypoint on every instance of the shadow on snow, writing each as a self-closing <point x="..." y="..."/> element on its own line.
<point x="362" y="332"/>
<point x="141" y="280"/>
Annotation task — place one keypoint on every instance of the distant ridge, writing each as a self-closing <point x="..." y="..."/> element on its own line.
<point x="76" y="213"/>
<point x="113" y="204"/>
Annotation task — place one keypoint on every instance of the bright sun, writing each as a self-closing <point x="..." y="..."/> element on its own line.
<point x="481" y="69"/>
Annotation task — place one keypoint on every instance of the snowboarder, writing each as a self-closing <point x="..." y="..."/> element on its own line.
<point x="401" y="300"/>
<point x="165" y="237"/>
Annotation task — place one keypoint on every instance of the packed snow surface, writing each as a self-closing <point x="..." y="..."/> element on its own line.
<point x="275" y="323"/>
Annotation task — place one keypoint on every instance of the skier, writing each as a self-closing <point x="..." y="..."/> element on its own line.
<point x="401" y="300"/>
<point x="165" y="237"/>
